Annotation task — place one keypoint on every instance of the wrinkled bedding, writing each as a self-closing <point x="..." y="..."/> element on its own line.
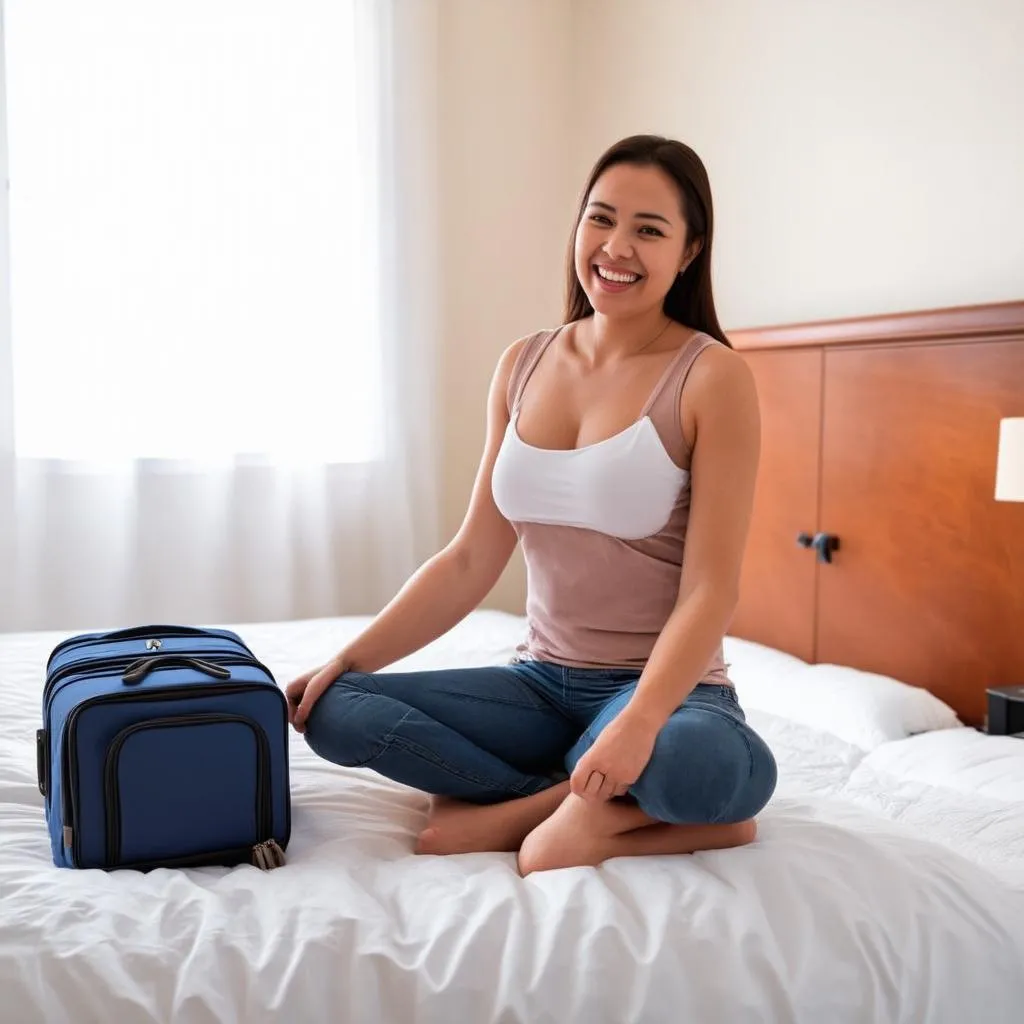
<point x="885" y="885"/>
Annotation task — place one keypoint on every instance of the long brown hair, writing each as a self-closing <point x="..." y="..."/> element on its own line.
<point x="690" y="300"/>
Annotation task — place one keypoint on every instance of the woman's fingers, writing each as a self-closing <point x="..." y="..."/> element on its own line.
<point x="319" y="682"/>
<point x="310" y="696"/>
<point x="594" y="784"/>
<point x="294" y="690"/>
<point x="598" y="786"/>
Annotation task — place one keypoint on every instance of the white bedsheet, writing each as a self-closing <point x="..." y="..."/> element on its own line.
<point x="883" y="887"/>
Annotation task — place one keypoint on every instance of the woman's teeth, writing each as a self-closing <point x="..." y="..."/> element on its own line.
<point x="616" y="277"/>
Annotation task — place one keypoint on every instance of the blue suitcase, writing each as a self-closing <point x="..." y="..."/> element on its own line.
<point x="163" y="746"/>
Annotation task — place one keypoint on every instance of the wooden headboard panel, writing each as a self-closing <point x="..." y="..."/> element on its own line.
<point x="883" y="432"/>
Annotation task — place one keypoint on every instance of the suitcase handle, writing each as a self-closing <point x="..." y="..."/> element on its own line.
<point x="138" y="670"/>
<point x="42" y="760"/>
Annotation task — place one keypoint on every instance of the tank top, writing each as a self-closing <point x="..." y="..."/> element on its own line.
<point x="602" y="527"/>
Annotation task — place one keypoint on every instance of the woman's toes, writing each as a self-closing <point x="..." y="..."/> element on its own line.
<point x="564" y="840"/>
<point x="536" y="854"/>
<point x="426" y="841"/>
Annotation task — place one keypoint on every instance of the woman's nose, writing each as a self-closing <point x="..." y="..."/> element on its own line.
<point x="618" y="245"/>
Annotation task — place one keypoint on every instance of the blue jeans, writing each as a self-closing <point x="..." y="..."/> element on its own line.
<point x="499" y="732"/>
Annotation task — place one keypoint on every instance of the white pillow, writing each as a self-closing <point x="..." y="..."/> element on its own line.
<point x="859" y="707"/>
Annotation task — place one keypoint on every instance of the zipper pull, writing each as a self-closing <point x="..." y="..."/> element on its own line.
<point x="268" y="855"/>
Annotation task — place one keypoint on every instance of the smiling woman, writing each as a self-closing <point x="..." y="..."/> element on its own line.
<point x="670" y="214"/>
<point x="614" y="442"/>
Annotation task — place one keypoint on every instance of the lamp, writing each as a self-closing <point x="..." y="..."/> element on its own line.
<point x="1006" y="703"/>
<point x="1010" y="461"/>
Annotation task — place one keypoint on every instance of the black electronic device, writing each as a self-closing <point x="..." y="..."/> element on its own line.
<point x="1005" y="711"/>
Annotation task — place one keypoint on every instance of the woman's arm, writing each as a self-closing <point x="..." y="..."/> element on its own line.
<point x="449" y="586"/>
<point x="720" y="419"/>
<point x="720" y="403"/>
<point x="443" y="591"/>
<point x="446" y="588"/>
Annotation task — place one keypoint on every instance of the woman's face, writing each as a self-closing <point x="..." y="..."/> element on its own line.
<point x="630" y="241"/>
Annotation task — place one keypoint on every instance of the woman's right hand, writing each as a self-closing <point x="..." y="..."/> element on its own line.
<point x="306" y="690"/>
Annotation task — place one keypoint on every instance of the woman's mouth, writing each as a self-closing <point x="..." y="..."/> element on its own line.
<point x="615" y="280"/>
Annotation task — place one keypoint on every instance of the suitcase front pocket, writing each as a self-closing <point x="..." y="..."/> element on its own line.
<point x="185" y="785"/>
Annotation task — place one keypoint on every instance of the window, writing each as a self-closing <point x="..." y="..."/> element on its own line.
<point x="192" y="231"/>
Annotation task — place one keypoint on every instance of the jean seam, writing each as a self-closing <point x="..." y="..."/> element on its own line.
<point x="377" y="751"/>
<point x="410" y="746"/>
<point x="499" y="700"/>
<point x="585" y="735"/>
<point x="550" y="697"/>
<point x="742" y="730"/>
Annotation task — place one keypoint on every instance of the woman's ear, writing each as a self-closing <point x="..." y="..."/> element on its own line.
<point x="692" y="252"/>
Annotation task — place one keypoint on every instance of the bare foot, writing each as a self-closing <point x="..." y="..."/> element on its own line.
<point x="581" y="832"/>
<point x="455" y="826"/>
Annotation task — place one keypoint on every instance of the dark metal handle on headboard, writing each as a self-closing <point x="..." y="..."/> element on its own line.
<point x="823" y="543"/>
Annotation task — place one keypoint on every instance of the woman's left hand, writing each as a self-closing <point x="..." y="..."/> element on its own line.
<point x="616" y="759"/>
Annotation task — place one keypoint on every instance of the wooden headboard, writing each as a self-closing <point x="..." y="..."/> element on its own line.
<point x="882" y="432"/>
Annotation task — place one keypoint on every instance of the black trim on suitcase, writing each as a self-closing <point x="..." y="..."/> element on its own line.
<point x="42" y="761"/>
<point x="218" y="858"/>
<point x="111" y="790"/>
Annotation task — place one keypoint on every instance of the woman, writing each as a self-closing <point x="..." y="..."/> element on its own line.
<point x="610" y="441"/>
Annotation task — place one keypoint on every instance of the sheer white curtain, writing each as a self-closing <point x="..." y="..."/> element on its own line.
<point x="216" y="317"/>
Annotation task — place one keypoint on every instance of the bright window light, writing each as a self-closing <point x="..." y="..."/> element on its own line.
<point x="193" y="252"/>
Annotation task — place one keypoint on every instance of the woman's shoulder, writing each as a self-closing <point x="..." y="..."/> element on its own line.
<point x="513" y="361"/>
<point x="518" y="348"/>
<point x="718" y="359"/>
<point x="719" y="373"/>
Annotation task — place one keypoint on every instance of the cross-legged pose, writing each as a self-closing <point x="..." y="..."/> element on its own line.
<point x="621" y="452"/>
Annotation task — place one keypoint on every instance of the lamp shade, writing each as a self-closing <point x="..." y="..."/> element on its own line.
<point x="1010" y="462"/>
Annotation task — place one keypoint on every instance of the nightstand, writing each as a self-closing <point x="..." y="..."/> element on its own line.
<point x="1005" y="711"/>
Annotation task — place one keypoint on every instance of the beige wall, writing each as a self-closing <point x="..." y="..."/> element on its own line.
<point x="505" y="213"/>
<point x="864" y="158"/>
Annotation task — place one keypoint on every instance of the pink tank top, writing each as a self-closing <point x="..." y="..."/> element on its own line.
<point x="602" y="527"/>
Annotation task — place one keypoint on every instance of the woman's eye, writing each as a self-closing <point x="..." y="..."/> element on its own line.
<point x="600" y="218"/>
<point x="653" y="230"/>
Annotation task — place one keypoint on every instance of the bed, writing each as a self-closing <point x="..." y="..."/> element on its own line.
<point x="886" y="883"/>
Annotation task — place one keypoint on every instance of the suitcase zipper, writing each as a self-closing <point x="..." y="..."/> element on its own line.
<point x="69" y="762"/>
<point x="215" y="858"/>
<point x="264" y="807"/>
<point x="87" y="668"/>
<point x="267" y="855"/>
<point x="118" y="665"/>
<point x="140" y="632"/>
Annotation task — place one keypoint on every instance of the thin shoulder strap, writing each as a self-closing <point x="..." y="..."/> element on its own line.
<point x="668" y="414"/>
<point x="525" y="364"/>
<point x="680" y="364"/>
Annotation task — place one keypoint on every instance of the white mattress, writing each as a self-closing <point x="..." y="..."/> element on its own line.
<point x="884" y="886"/>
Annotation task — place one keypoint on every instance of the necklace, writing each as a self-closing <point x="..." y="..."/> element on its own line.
<point x="648" y="344"/>
<point x="654" y="339"/>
